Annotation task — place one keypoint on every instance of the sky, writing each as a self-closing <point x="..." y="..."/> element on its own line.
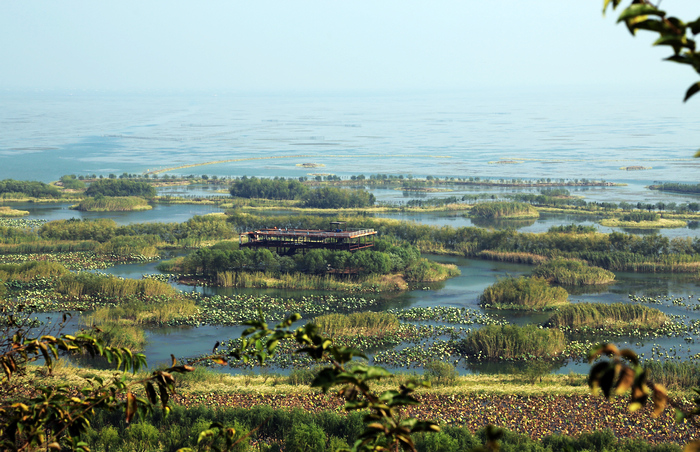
<point x="313" y="45"/>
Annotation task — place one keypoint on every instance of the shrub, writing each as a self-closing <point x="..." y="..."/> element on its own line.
<point x="305" y="438"/>
<point x="440" y="372"/>
<point x="637" y="217"/>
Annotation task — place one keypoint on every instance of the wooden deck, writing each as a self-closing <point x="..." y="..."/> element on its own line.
<point x="289" y="240"/>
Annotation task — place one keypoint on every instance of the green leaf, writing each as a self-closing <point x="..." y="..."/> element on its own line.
<point x="325" y="379"/>
<point x="615" y="3"/>
<point x="639" y="9"/>
<point x="694" y="26"/>
<point x="650" y="25"/>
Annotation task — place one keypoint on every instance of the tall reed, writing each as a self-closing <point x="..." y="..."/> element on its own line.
<point x="511" y="342"/>
<point x="523" y="294"/>
<point x="573" y="273"/>
<point x="357" y="323"/>
<point x="613" y="316"/>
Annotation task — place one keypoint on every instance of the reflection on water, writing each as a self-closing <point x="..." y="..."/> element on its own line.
<point x="501" y="223"/>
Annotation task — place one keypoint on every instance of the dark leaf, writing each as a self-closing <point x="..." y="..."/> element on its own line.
<point x="694" y="88"/>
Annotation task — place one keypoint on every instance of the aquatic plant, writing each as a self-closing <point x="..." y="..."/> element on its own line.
<point x="523" y="294"/>
<point x="612" y="317"/>
<point x="503" y="209"/>
<point x="573" y="273"/>
<point x="511" y="342"/>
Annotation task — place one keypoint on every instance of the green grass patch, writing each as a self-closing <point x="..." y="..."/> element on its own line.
<point x="617" y="316"/>
<point x="302" y="281"/>
<point x="6" y="211"/>
<point x="512" y="343"/>
<point x="113" y="204"/>
<point x="655" y="224"/>
<point x="527" y="294"/>
<point x="357" y="323"/>
<point x="573" y="273"/>
<point x="91" y="284"/>
<point x="504" y="209"/>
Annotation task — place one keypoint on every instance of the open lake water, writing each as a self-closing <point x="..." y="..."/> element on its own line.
<point x="555" y="135"/>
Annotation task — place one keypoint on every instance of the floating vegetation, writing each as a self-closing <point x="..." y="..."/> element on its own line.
<point x="29" y="223"/>
<point x="445" y="314"/>
<point x="81" y="260"/>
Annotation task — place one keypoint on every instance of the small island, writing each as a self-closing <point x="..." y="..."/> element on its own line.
<point x="643" y="220"/>
<point x="112" y="204"/>
<point x="523" y="294"/>
<point x="504" y="210"/>
<point x="6" y="211"/>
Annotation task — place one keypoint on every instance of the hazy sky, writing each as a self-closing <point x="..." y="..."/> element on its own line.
<point x="276" y="45"/>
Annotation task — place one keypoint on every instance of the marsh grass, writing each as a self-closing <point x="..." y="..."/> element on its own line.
<point x="523" y="294"/>
<point x="504" y="209"/>
<point x="6" y="211"/>
<point x="655" y="224"/>
<point x="303" y="281"/>
<point x="122" y="334"/>
<point x="357" y="323"/>
<point x="112" y="204"/>
<point x="616" y="316"/>
<point x="573" y="273"/>
<point x="85" y="283"/>
<point x="512" y="343"/>
<point x="429" y="271"/>
<point x="49" y="246"/>
<point x="157" y="311"/>
<point x="515" y="257"/>
<point x="30" y="270"/>
<point x="675" y="375"/>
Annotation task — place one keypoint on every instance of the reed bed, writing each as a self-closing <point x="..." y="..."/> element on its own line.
<point x="523" y="294"/>
<point x="504" y="209"/>
<point x="302" y="281"/>
<point x="30" y="270"/>
<point x="43" y="246"/>
<point x="682" y="375"/>
<point x="357" y="323"/>
<point x="515" y="257"/>
<point x="153" y="311"/>
<point x="573" y="273"/>
<point x="613" y="316"/>
<point x="121" y="334"/>
<point x="6" y="211"/>
<point x="84" y="283"/>
<point x="113" y="204"/>
<point x="512" y="343"/>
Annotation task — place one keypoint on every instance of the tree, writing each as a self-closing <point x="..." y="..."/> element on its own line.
<point x="49" y="416"/>
<point x="673" y="32"/>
